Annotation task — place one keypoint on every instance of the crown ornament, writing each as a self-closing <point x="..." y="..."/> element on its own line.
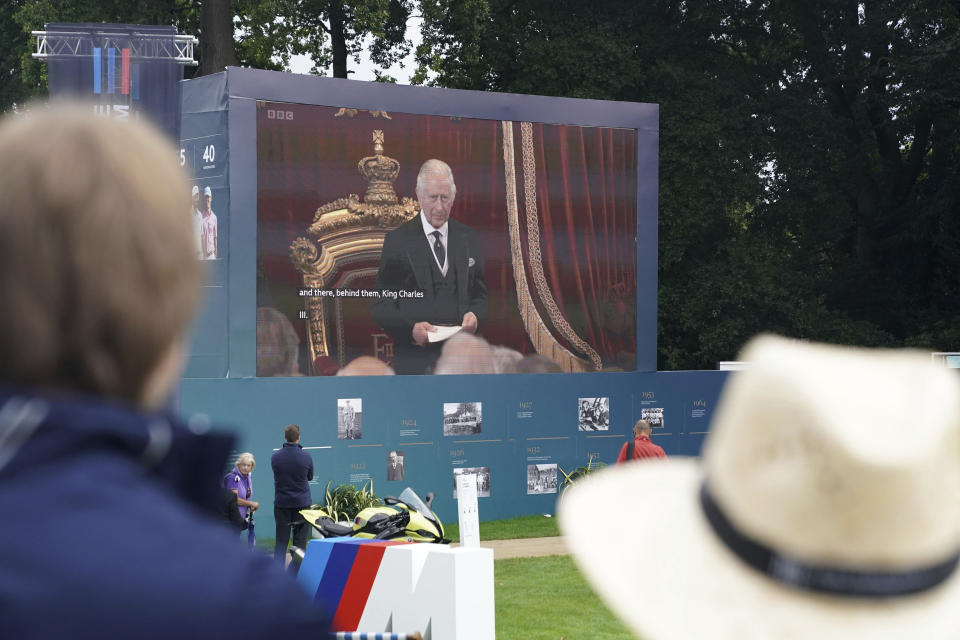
<point x="379" y="171"/>
<point x="379" y="207"/>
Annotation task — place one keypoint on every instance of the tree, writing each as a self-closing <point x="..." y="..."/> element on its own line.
<point x="12" y="90"/>
<point x="809" y="152"/>
<point x="865" y="134"/>
<point x="258" y="33"/>
<point x="216" y="37"/>
<point x="333" y="31"/>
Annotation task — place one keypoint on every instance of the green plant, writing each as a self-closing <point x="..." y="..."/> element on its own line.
<point x="346" y="501"/>
<point x="581" y="472"/>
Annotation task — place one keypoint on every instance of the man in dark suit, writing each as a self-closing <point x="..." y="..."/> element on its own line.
<point x="394" y="466"/>
<point x="292" y="473"/>
<point x="431" y="275"/>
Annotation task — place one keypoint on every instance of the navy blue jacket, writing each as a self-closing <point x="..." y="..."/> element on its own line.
<point x="292" y="473"/>
<point x="108" y="530"/>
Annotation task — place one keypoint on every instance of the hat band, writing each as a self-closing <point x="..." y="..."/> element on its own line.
<point x="821" y="578"/>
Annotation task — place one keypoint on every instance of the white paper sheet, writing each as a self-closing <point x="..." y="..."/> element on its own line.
<point x="442" y="333"/>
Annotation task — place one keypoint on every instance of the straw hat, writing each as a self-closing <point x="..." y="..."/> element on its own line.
<point x="832" y="482"/>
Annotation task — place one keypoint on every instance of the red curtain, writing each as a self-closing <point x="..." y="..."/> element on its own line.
<point x="586" y="218"/>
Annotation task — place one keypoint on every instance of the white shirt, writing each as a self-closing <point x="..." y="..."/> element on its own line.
<point x="428" y="230"/>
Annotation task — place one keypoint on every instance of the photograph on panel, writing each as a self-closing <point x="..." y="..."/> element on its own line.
<point x="204" y="222"/>
<point x="653" y="416"/>
<point x="594" y="414"/>
<point x="461" y="418"/>
<point x="395" y="465"/>
<point x="349" y="418"/>
<point x="483" y="480"/>
<point x="541" y="478"/>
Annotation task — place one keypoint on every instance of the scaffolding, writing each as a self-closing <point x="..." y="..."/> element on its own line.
<point x="143" y="46"/>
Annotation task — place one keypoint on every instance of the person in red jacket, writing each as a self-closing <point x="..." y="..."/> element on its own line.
<point x="642" y="447"/>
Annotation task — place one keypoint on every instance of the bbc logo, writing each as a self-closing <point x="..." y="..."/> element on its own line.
<point x="274" y="114"/>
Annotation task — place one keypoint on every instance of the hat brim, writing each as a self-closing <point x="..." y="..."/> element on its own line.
<point x="637" y="532"/>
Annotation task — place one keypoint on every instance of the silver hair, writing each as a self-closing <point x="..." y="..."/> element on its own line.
<point x="505" y="359"/>
<point x="436" y="167"/>
<point x="465" y="353"/>
<point x="246" y="456"/>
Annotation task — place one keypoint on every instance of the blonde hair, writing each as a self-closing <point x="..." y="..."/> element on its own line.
<point x="246" y="456"/>
<point x="98" y="268"/>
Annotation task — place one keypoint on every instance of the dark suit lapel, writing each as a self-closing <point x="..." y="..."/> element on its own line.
<point x="418" y="253"/>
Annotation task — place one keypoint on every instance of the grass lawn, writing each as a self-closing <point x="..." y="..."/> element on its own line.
<point x="521" y="527"/>
<point x="547" y="599"/>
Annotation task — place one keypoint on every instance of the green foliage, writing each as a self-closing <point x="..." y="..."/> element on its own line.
<point x="547" y="598"/>
<point x="13" y="47"/>
<point x="330" y="33"/>
<point x="593" y="464"/>
<point x="809" y="152"/>
<point x="346" y="501"/>
<point x="269" y="32"/>
<point x="809" y="168"/>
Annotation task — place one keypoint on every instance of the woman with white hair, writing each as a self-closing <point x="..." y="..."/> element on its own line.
<point x="240" y="482"/>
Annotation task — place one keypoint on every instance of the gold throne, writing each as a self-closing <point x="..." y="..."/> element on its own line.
<point x="342" y="251"/>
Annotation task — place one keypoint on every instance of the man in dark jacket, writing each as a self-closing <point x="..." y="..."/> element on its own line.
<point x="292" y="473"/>
<point x="108" y="504"/>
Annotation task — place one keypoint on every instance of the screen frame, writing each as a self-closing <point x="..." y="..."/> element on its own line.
<point x="244" y="87"/>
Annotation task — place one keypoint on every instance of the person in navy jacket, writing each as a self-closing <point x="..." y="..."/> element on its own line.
<point x="109" y="522"/>
<point x="292" y="473"/>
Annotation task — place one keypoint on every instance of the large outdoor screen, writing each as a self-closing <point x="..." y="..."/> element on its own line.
<point x="524" y="235"/>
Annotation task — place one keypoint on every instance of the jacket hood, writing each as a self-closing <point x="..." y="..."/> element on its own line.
<point x="39" y="428"/>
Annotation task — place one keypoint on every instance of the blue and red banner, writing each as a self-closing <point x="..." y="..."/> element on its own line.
<point x="117" y="67"/>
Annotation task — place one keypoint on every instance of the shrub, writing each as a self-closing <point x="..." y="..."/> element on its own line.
<point x="346" y="501"/>
<point x="580" y="472"/>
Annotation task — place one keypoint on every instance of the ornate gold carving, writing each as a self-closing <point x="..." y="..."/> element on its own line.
<point x="543" y="341"/>
<point x="380" y="206"/>
<point x="349" y="231"/>
<point x="343" y="213"/>
<point x="379" y="171"/>
<point x="350" y="113"/>
<point x="302" y="253"/>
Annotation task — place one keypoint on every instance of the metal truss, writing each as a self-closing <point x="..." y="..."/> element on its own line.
<point x="143" y="46"/>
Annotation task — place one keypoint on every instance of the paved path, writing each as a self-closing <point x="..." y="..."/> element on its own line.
<point x="525" y="547"/>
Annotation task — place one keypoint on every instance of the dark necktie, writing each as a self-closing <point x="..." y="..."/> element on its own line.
<point x="438" y="248"/>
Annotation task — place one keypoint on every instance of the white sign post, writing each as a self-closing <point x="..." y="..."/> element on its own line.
<point x="467" y="506"/>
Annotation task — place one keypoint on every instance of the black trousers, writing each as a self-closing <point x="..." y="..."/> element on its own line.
<point x="287" y="517"/>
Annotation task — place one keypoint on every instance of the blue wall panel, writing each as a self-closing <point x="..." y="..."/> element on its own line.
<point x="406" y="413"/>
